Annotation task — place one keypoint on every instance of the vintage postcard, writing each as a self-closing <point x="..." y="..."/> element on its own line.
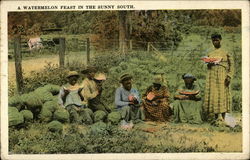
<point x="124" y="80"/>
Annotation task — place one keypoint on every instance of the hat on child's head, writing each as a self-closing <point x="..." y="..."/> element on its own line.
<point x="158" y="79"/>
<point x="72" y="73"/>
<point x="216" y="35"/>
<point x="125" y="77"/>
<point x="158" y="76"/>
<point x="100" y="77"/>
<point x="188" y="75"/>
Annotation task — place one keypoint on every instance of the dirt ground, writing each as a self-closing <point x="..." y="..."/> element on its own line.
<point x="222" y="140"/>
<point x="29" y="65"/>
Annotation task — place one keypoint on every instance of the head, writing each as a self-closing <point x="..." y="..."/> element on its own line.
<point x="90" y="75"/>
<point x="89" y="72"/>
<point x="72" y="77"/>
<point x="99" y="78"/>
<point x="189" y="80"/>
<point x="126" y="81"/>
<point x="158" y="80"/>
<point x="216" y="39"/>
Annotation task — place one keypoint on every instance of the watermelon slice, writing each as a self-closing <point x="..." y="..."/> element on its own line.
<point x="211" y="59"/>
<point x="189" y="93"/>
<point x="150" y="96"/>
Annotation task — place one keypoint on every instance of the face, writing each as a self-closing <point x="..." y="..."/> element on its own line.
<point x="157" y="85"/>
<point x="127" y="84"/>
<point x="189" y="82"/>
<point x="72" y="80"/>
<point x="216" y="42"/>
<point x="99" y="82"/>
<point x="91" y="75"/>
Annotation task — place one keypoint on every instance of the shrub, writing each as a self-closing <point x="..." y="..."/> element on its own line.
<point x="51" y="74"/>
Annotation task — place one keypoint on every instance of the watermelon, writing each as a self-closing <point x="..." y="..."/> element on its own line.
<point x="55" y="126"/>
<point x="99" y="116"/>
<point x="15" y="117"/>
<point x="61" y="115"/>
<point x="27" y="115"/>
<point x="45" y="115"/>
<point x="114" y="117"/>
<point x="43" y="94"/>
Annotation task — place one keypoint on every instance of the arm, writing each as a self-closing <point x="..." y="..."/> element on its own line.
<point x="80" y="93"/>
<point x="196" y="97"/>
<point x="149" y="89"/>
<point x="136" y="94"/>
<point x="178" y="96"/>
<point x="230" y="70"/>
<point x="118" y="100"/>
<point x="87" y="92"/>
<point x="164" y="95"/>
<point x="62" y="97"/>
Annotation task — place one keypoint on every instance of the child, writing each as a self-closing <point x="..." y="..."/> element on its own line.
<point x="70" y="98"/>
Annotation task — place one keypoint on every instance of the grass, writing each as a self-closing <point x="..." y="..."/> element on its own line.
<point x="167" y="138"/>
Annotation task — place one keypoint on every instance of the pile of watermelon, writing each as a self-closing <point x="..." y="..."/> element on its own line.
<point x="39" y="105"/>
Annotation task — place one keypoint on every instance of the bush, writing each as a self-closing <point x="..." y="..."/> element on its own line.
<point x="51" y="74"/>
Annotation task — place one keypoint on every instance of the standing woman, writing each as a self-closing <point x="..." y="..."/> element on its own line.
<point x="219" y="75"/>
<point x="155" y="101"/>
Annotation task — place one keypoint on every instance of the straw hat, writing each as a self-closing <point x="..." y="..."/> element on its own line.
<point x="72" y="73"/>
<point x="100" y="77"/>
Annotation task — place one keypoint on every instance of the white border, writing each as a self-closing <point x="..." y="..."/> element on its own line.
<point x="139" y="5"/>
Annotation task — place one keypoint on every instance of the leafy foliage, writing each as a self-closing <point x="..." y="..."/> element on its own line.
<point x="38" y="140"/>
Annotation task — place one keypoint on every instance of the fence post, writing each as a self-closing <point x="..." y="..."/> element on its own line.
<point x="18" y="64"/>
<point x="148" y="46"/>
<point x="88" y="51"/>
<point x="61" y="51"/>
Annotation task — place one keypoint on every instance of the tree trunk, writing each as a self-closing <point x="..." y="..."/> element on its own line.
<point x="18" y="64"/>
<point x="123" y="31"/>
